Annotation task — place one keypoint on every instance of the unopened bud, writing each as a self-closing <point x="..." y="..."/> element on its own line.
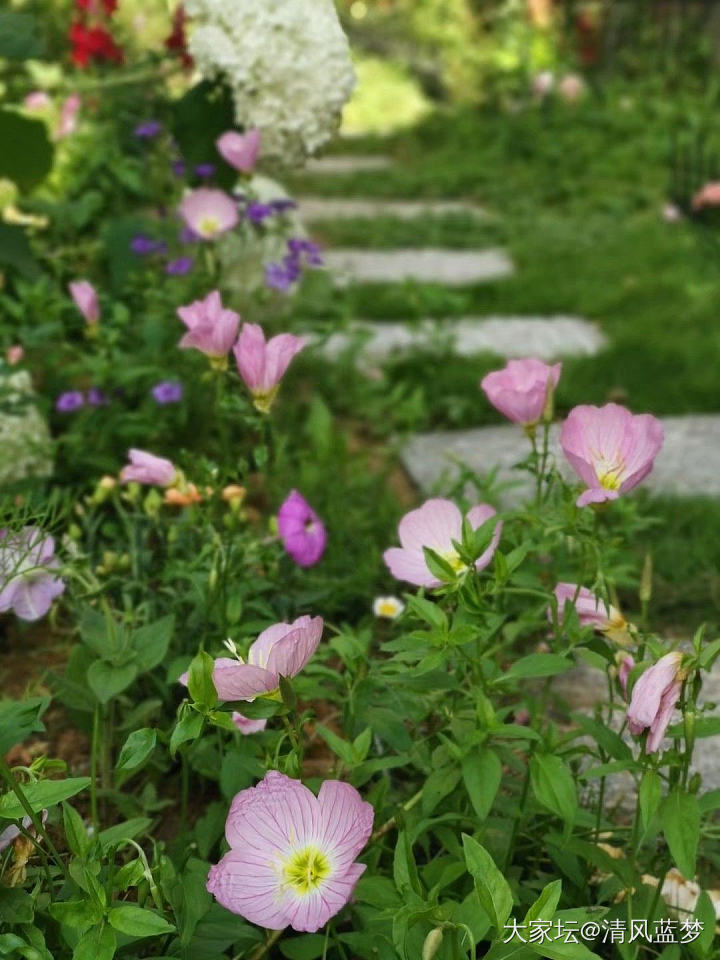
<point x="549" y="408"/>
<point x="646" y="580"/>
<point x="433" y="942"/>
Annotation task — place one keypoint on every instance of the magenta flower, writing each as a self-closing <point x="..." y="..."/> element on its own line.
<point x="212" y="329"/>
<point x="262" y="364"/>
<point x="239" y="150"/>
<point x="246" y="726"/>
<point x="653" y="700"/>
<point x="147" y="468"/>
<point x="292" y="855"/>
<point x="436" y="524"/>
<point x="282" y="650"/>
<point x="28" y="584"/>
<point x="610" y="449"/>
<point x="301" y="530"/>
<point x="67" y="121"/>
<point x="208" y="213"/>
<point x="86" y="300"/>
<point x="591" y="611"/>
<point x="520" y="390"/>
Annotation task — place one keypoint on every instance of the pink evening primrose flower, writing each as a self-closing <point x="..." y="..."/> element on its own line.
<point x="520" y="390"/>
<point x="86" y="300"/>
<point x="208" y="213"/>
<point x="625" y="662"/>
<point x="282" y="650"/>
<point x="301" y="530"/>
<point x="211" y="328"/>
<point x="67" y="122"/>
<point x="246" y="725"/>
<point x="262" y="364"/>
<point x="592" y="611"/>
<point x="610" y="449"/>
<point x="146" y="468"/>
<point x="653" y="699"/>
<point x="292" y="855"/>
<point x="436" y="524"/>
<point x="28" y="584"/>
<point x="571" y="88"/>
<point x="37" y="100"/>
<point x="239" y="150"/>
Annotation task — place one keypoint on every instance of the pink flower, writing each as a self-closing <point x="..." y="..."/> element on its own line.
<point x="625" y="664"/>
<point x="653" y="700"/>
<point x="301" y="530"/>
<point x="571" y="88"/>
<point x="542" y="83"/>
<point x="436" y="524"/>
<point x="282" y="650"/>
<point x="591" y="611"/>
<point x="610" y="449"/>
<point x="28" y="584"/>
<point x="211" y="328"/>
<point x="37" y="100"/>
<point x="208" y="213"/>
<point x="86" y="300"/>
<point x="147" y="468"/>
<point x="707" y="196"/>
<point x="246" y="726"/>
<point x="261" y="364"/>
<point x="67" y="122"/>
<point x="671" y="213"/>
<point x="239" y="150"/>
<point x="14" y="354"/>
<point x="520" y="390"/>
<point x="291" y="859"/>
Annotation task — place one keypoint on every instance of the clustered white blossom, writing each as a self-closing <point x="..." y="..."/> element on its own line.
<point x="24" y="434"/>
<point x="287" y="62"/>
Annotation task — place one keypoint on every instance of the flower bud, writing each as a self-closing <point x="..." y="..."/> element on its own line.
<point x="646" y="580"/>
<point x="433" y="942"/>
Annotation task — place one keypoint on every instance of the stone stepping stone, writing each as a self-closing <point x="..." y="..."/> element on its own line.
<point x="453" y="268"/>
<point x="688" y="464"/>
<point x="348" y="163"/>
<point x="328" y="208"/>
<point x="547" y="338"/>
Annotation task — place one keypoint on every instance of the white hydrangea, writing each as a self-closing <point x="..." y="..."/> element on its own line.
<point x="287" y="62"/>
<point x="24" y="435"/>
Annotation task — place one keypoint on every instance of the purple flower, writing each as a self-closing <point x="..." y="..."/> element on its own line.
<point x="283" y="204"/>
<point x="188" y="235"/>
<point x="257" y="212"/>
<point x="167" y="391"/>
<point x="312" y="251"/>
<point x="27" y="587"/>
<point x="143" y="246"/>
<point x="95" y="397"/>
<point x="205" y="170"/>
<point x="148" y="130"/>
<point x="178" y="168"/>
<point x="301" y="530"/>
<point x="179" y="267"/>
<point x="70" y="401"/>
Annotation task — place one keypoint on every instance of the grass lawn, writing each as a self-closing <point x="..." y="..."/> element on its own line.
<point x="575" y="195"/>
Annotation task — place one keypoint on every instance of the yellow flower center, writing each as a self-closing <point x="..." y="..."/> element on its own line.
<point x="208" y="226"/>
<point x="609" y="473"/>
<point x="388" y="608"/>
<point x="451" y="557"/>
<point x="306" y="869"/>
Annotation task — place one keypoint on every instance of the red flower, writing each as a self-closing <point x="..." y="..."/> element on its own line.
<point x="93" y="6"/>
<point x="93" y="44"/>
<point x="176" y="41"/>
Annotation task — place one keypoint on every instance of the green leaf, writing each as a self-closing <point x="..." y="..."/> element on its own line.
<point x="482" y="772"/>
<point x="75" y="833"/>
<point x="188" y="727"/>
<point x="536" y="665"/>
<point x="611" y="743"/>
<point x="138" y="921"/>
<point x="553" y="786"/>
<point x="15" y="250"/>
<point x="340" y="747"/>
<point x="16" y="906"/>
<point x="27" y="154"/>
<point x="438" y="785"/>
<point x="107" y="681"/>
<point x="151" y="642"/>
<point x="78" y="914"/>
<point x="200" y="680"/>
<point x="649" y="796"/>
<point x="97" y="944"/>
<point x="199" y="118"/>
<point x="123" y="831"/>
<point x="45" y="793"/>
<point x="428" y="611"/>
<point x="136" y="750"/>
<point x="492" y="888"/>
<point x="680" y="815"/>
<point x="18" y="719"/>
<point x="546" y="904"/>
<point x="405" y="872"/>
<point x="309" y="947"/>
<point x="438" y="566"/>
<point x="705" y="913"/>
<point x="18" y="36"/>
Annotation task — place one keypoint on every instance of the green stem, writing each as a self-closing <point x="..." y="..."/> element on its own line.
<point x="93" y="769"/>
